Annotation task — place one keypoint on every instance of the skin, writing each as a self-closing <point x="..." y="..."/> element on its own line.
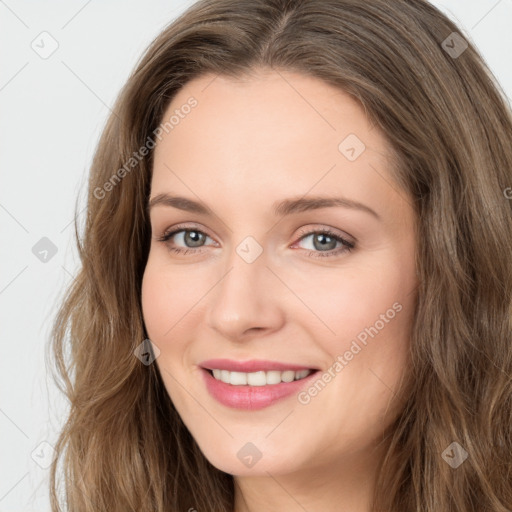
<point x="248" y="143"/>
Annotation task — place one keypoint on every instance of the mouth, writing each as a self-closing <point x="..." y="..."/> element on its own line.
<point x="259" y="378"/>
<point x="262" y="384"/>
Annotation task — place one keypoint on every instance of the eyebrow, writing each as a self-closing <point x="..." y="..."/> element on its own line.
<point x="280" y="208"/>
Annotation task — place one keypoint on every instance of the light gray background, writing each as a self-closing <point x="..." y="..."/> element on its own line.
<point x="52" y="113"/>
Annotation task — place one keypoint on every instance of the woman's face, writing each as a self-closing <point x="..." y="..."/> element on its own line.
<point x="265" y="166"/>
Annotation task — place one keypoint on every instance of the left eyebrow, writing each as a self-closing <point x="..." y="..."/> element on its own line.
<point x="302" y="204"/>
<point x="280" y="208"/>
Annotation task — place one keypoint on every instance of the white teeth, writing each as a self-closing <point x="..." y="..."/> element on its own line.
<point x="260" y="378"/>
<point x="288" y="376"/>
<point x="302" y="374"/>
<point x="273" y="377"/>
<point x="238" y="378"/>
<point x="253" y="379"/>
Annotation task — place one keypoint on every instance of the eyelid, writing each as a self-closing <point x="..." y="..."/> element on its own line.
<point x="320" y="228"/>
<point x="347" y="243"/>
<point x="302" y="231"/>
<point x="184" y="227"/>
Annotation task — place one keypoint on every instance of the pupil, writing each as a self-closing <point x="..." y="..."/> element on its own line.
<point x="323" y="237"/>
<point x="195" y="237"/>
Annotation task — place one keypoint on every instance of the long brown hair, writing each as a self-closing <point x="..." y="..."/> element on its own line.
<point x="123" y="446"/>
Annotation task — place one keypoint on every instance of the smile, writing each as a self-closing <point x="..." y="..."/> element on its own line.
<point x="256" y="389"/>
<point x="260" y="378"/>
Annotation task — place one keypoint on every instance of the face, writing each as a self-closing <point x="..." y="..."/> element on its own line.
<point x="290" y="258"/>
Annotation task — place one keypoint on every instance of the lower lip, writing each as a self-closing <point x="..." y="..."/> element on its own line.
<point x="251" y="397"/>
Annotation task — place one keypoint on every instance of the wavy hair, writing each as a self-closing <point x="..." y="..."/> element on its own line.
<point x="123" y="446"/>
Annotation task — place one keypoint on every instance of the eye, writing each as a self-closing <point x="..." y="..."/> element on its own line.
<point x="192" y="238"/>
<point x="323" y="243"/>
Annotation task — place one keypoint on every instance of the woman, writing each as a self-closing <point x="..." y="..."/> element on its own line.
<point x="296" y="286"/>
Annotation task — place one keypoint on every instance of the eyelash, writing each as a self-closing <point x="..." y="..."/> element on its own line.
<point x="347" y="246"/>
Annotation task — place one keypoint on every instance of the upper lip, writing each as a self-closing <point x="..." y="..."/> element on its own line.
<point x="254" y="365"/>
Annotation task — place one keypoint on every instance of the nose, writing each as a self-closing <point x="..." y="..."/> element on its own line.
<point x="247" y="300"/>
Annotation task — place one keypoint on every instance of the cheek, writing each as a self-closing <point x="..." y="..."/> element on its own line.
<point x="166" y="298"/>
<point x="349" y="300"/>
<point x="154" y="297"/>
<point x="367" y="312"/>
<point x="172" y="307"/>
<point x="159" y="311"/>
<point x="164" y="307"/>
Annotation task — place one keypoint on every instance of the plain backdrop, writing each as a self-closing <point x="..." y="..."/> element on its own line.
<point x="53" y="108"/>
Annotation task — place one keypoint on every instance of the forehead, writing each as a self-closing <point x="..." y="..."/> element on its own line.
<point x="271" y="131"/>
<point x="252" y="109"/>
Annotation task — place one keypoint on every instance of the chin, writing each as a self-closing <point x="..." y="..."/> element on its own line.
<point x="252" y="459"/>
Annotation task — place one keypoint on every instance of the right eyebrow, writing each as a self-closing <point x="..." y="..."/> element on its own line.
<point x="182" y="203"/>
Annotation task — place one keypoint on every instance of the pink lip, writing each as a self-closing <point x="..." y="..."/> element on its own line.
<point x="254" y="365"/>
<point x="252" y="397"/>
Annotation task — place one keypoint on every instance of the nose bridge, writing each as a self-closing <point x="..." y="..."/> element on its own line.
<point x="245" y="297"/>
